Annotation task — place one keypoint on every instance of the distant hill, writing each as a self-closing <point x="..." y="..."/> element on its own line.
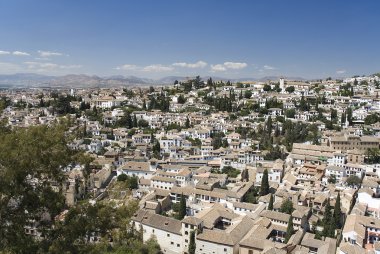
<point x="82" y="80"/>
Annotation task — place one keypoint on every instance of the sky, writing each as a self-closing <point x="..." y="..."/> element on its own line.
<point x="158" y="38"/>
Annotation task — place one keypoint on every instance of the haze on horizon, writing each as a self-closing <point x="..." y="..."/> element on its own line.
<point x="154" y="39"/>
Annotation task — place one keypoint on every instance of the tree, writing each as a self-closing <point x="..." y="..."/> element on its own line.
<point x="108" y="222"/>
<point x="342" y="119"/>
<point x="269" y="125"/>
<point x="192" y="246"/>
<point x="245" y="175"/>
<point x="38" y="153"/>
<point x="353" y="181"/>
<point x="332" y="179"/>
<point x="134" y="122"/>
<point x="373" y="155"/>
<point x="337" y="212"/>
<point x="290" y="113"/>
<point x="371" y="119"/>
<point x="328" y="221"/>
<point x="251" y="196"/>
<point x="230" y="171"/>
<point x="287" y="206"/>
<point x="42" y="103"/>
<point x="144" y="105"/>
<point x="187" y="123"/>
<point x="181" y="99"/>
<point x="133" y="182"/>
<point x="289" y="229"/>
<point x="349" y="115"/>
<point x="264" y="188"/>
<point x="247" y="94"/>
<point x="143" y="123"/>
<point x="182" y="208"/>
<point x="157" y="149"/>
<point x="303" y="104"/>
<point x="334" y="115"/>
<point x="197" y="82"/>
<point x="122" y="177"/>
<point x="129" y="121"/>
<point x="290" y="89"/>
<point x="209" y="82"/>
<point x="270" y="205"/>
<point x="267" y="88"/>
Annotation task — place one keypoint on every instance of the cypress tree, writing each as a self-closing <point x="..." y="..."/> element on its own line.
<point x="129" y="121"/>
<point x="264" y="188"/>
<point x="331" y="228"/>
<point x="327" y="219"/>
<point x="277" y="131"/>
<point x="85" y="129"/>
<point x="337" y="212"/>
<point x="349" y="115"/>
<point x="342" y="119"/>
<point x="156" y="149"/>
<point x="270" y="205"/>
<point x="182" y="208"/>
<point x="289" y="229"/>
<point x="192" y="246"/>
<point x="134" y="121"/>
<point x="269" y="125"/>
<point x="245" y="175"/>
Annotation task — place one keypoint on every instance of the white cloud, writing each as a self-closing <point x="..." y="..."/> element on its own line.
<point x="228" y="65"/>
<point x="48" y="53"/>
<point x="44" y="67"/>
<point x="42" y="59"/>
<point x="20" y="53"/>
<point x="73" y="66"/>
<point x="235" y="66"/>
<point x="148" y="68"/>
<point x="7" y="68"/>
<point x="127" y="67"/>
<point x="4" y="52"/>
<point x="199" y="64"/>
<point x="218" y="67"/>
<point x="340" y="71"/>
<point x="157" y="68"/>
<point x="38" y="65"/>
<point x="268" y="67"/>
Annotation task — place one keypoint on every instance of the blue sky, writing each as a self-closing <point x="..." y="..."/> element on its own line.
<point x="152" y="38"/>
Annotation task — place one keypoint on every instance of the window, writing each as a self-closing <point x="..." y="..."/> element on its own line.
<point x="172" y="243"/>
<point x="168" y="235"/>
<point x="225" y="249"/>
<point x="178" y="244"/>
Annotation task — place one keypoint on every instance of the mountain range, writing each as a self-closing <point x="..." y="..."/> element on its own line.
<point x="23" y="80"/>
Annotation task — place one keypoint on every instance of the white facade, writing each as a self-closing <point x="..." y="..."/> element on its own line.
<point x="204" y="247"/>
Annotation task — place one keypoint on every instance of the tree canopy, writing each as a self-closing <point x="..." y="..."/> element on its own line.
<point x="32" y="183"/>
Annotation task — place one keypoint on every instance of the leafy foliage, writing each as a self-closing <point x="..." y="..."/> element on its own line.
<point x="353" y="181"/>
<point x="132" y="181"/>
<point x="230" y="171"/>
<point x="287" y="206"/>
